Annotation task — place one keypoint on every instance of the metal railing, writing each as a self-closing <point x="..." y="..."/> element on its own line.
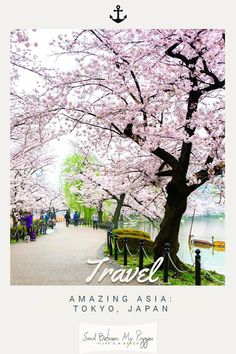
<point x="168" y="263"/>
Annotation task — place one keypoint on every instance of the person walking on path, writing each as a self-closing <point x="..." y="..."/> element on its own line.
<point x="76" y="218"/>
<point x="68" y="218"/>
<point x="95" y="221"/>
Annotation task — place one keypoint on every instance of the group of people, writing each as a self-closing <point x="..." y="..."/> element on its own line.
<point x="48" y="216"/>
<point x="25" y="218"/>
<point x="76" y="218"/>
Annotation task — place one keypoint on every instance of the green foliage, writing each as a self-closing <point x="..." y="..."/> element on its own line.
<point x="132" y="232"/>
<point x="75" y="163"/>
<point x="133" y="243"/>
<point x="71" y="198"/>
<point x="134" y="236"/>
<point x="37" y="222"/>
<point x="188" y="278"/>
<point x="20" y="228"/>
<point x="87" y="212"/>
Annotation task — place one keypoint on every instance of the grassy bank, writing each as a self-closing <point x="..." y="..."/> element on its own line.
<point x="175" y="278"/>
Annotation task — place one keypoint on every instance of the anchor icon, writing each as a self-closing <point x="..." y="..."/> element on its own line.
<point x="118" y="19"/>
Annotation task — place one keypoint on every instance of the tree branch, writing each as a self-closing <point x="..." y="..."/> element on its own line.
<point x="165" y="156"/>
<point x="203" y="176"/>
<point x="167" y="173"/>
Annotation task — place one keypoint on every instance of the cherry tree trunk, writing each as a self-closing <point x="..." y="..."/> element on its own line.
<point x="14" y="219"/>
<point x="116" y="216"/>
<point x="169" y="227"/>
<point x="100" y="212"/>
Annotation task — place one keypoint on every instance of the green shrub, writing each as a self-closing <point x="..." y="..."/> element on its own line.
<point x="133" y="243"/>
<point x="19" y="228"/>
<point x="132" y="232"/>
<point x="21" y="231"/>
<point x="37" y="222"/>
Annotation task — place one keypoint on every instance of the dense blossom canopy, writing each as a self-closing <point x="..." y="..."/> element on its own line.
<point x="154" y="99"/>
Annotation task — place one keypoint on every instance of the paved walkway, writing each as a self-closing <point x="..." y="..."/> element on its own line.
<point x="60" y="258"/>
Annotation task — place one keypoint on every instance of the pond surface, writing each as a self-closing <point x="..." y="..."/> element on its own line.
<point x="204" y="228"/>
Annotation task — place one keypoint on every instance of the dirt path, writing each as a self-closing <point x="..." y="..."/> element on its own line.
<point x="60" y="258"/>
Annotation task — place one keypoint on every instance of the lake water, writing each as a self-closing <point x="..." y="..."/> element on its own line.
<point x="203" y="228"/>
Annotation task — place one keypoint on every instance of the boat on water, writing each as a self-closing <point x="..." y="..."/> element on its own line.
<point x="217" y="245"/>
<point x="201" y="243"/>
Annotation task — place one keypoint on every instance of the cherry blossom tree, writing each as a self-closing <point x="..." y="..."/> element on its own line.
<point x="115" y="179"/>
<point x="160" y="90"/>
<point x="30" y="130"/>
<point x="163" y="90"/>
